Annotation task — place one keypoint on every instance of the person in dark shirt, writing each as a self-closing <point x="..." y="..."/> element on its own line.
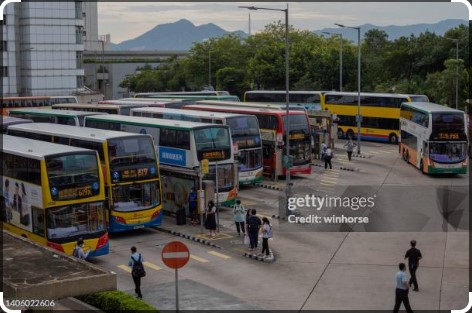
<point x="253" y="224"/>
<point x="414" y="256"/>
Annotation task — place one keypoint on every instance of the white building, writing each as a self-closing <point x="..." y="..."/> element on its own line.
<point x="42" y="50"/>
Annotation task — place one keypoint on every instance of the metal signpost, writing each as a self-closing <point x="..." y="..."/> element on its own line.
<point x="175" y="255"/>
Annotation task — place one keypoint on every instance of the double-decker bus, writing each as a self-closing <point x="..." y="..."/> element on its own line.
<point x="8" y="121"/>
<point x="150" y="102"/>
<point x="193" y="98"/>
<point x="122" y="109"/>
<point x="181" y="146"/>
<point x="129" y="165"/>
<point x="182" y="93"/>
<point x="380" y="114"/>
<point x="272" y="123"/>
<point x="310" y="100"/>
<point x="65" y="117"/>
<point x="433" y="137"/>
<point x="53" y="194"/>
<point x="244" y="132"/>
<point x="11" y="103"/>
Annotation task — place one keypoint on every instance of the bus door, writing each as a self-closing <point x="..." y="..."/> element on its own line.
<point x="269" y="153"/>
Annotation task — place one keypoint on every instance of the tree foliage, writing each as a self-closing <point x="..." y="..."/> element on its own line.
<point x="423" y="64"/>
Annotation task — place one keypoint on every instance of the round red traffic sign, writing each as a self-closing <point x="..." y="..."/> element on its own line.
<point x="175" y="254"/>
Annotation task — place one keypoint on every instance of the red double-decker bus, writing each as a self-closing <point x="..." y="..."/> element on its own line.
<point x="272" y="123"/>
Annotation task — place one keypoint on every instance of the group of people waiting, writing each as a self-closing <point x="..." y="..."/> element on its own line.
<point x="248" y="221"/>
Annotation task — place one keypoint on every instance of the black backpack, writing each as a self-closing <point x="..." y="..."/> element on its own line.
<point x="138" y="268"/>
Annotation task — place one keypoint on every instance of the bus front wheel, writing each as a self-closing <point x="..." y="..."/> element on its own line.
<point x="393" y="139"/>
<point x="340" y="133"/>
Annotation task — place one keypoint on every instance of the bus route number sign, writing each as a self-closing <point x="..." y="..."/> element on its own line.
<point x="205" y="166"/>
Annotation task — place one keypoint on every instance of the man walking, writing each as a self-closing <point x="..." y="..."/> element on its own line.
<point x="401" y="292"/>
<point x="350" y="147"/>
<point x="328" y="157"/>
<point x="136" y="257"/>
<point x="414" y="256"/>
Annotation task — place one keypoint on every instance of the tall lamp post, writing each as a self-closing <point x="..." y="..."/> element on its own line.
<point x="288" y="185"/>
<point x="457" y="70"/>
<point x="340" y="58"/>
<point x="358" y="118"/>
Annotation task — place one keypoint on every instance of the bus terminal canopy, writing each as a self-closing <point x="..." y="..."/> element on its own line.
<point x="31" y="271"/>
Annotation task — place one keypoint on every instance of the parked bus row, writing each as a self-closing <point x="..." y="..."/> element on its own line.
<point x="33" y="101"/>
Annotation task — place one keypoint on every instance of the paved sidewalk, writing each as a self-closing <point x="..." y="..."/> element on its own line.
<point x="226" y="238"/>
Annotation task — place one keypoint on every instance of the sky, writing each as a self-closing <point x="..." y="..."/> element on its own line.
<point x="128" y="20"/>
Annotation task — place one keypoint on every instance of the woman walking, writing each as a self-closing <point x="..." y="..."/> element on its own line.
<point x="210" y="222"/>
<point x="350" y="147"/>
<point x="266" y="234"/>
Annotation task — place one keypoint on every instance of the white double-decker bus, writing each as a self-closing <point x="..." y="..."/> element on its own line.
<point x="181" y="146"/>
<point x="433" y="137"/>
<point x="244" y="132"/>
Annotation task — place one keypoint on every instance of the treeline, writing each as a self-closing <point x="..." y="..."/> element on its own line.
<point x="419" y="65"/>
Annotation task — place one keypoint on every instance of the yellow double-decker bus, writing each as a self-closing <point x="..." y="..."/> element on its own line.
<point x="53" y="194"/>
<point x="380" y="114"/>
<point x="129" y="165"/>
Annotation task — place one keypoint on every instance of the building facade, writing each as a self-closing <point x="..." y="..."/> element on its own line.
<point x="43" y="48"/>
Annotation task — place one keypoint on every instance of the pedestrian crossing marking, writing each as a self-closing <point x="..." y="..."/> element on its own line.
<point x="385" y="151"/>
<point x="220" y="255"/>
<point x="325" y="191"/>
<point x="153" y="266"/>
<point x="330" y="178"/>
<point x="327" y="183"/>
<point x="373" y="152"/>
<point x="125" y="268"/>
<point x="199" y="259"/>
<point x="217" y="237"/>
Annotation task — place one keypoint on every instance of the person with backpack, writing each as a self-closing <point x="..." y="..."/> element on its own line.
<point x="266" y="234"/>
<point x="324" y="147"/>
<point x="238" y="213"/>
<point x="328" y="157"/>
<point x="137" y="270"/>
<point x="79" y="250"/>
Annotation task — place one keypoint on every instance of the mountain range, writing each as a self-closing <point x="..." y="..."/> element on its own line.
<point x="182" y="34"/>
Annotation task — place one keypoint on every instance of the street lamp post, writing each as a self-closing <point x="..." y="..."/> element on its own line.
<point x="340" y="58"/>
<point x="358" y="84"/>
<point x="288" y="185"/>
<point x="457" y="70"/>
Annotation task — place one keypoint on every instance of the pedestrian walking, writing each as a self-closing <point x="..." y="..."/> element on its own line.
<point x="266" y="234"/>
<point x="134" y="258"/>
<point x="239" y="218"/>
<point x="414" y="256"/>
<point x="324" y="147"/>
<point x="350" y="147"/>
<point x="253" y="224"/>
<point x="210" y="222"/>
<point x="401" y="292"/>
<point x="79" y="250"/>
<point x="329" y="155"/>
<point x="192" y="206"/>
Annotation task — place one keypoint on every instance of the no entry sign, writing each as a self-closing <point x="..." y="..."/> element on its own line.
<point x="175" y="254"/>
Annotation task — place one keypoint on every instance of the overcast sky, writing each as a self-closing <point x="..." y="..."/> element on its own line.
<point x="127" y="20"/>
